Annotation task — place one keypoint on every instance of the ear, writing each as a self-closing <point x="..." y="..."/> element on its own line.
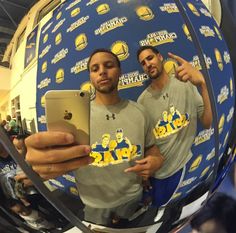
<point x="160" y="57"/>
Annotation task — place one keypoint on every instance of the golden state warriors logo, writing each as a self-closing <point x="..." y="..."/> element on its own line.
<point x="87" y="86"/>
<point x="74" y="191"/>
<point x="44" y="67"/>
<point x="170" y="66"/>
<point x="58" y="39"/>
<point x="193" y="9"/>
<point x="45" y="38"/>
<point x="186" y="32"/>
<point x="103" y="9"/>
<point x="42" y="101"/>
<point x="204" y="172"/>
<point x="114" y="151"/>
<point x="81" y="42"/>
<point x="121" y="49"/>
<point x="221" y="123"/>
<point x="196" y="163"/>
<point x="170" y="123"/>
<point x="231" y="87"/>
<point x="59" y="15"/>
<point x="60" y="76"/>
<point x="144" y="13"/>
<point x="176" y="195"/>
<point x="219" y="59"/>
<point x="218" y="33"/>
<point x="75" y="12"/>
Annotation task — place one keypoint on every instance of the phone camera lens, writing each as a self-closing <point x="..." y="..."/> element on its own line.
<point x="81" y="94"/>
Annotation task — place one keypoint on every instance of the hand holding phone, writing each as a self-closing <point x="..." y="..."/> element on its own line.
<point x="69" y="111"/>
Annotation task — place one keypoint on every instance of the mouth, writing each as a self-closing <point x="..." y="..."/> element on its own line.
<point x="151" y="70"/>
<point x="104" y="81"/>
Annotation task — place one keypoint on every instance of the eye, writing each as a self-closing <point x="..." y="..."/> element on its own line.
<point x="109" y="64"/>
<point x="94" y="68"/>
<point x="142" y="63"/>
<point x="149" y="58"/>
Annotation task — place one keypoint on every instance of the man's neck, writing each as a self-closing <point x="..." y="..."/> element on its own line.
<point x="160" y="82"/>
<point x="107" y="99"/>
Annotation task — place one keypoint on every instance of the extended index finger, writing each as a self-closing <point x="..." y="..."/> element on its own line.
<point x="179" y="59"/>
<point x="49" y="138"/>
<point x="137" y="168"/>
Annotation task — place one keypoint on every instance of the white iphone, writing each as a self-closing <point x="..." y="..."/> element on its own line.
<point x="69" y="111"/>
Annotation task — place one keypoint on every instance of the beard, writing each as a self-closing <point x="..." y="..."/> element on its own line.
<point x="106" y="89"/>
<point x="156" y="74"/>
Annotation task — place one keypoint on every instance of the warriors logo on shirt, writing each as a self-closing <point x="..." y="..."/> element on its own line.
<point x="170" y="123"/>
<point x="111" y="151"/>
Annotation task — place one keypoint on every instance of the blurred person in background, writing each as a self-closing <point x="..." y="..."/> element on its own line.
<point x="217" y="216"/>
<point x="12" y="126"/>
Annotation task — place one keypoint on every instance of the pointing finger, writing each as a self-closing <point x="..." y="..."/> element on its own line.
<point x="179" y="59"/>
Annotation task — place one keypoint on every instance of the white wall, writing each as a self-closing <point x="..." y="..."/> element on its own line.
<point x="23" y="81"/>
<point x="5" y="84"/>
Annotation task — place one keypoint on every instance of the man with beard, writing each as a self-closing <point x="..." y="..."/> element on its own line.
<point x="110" y="189"/>
<point x="175" y="138"/>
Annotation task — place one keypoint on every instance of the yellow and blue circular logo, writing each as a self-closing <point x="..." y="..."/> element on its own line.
<point x="42" y="101"/>
<point x="221" y="123"/>
<point x="74" y="191"/>
<point x="218" y="33"/>
<point x="219" y="59"/>
<point x="144" y="13"/>
<point x="45" y="38"/>
<point x="75" y="12"/>
<point x="193" y="9"/>
<point x="204" y="172"/>
<point x="170" y="66"/>
<point x="87" y="86"/>
<point x="58" y="39"/>
<point x="44" y="67"/>
<point x="81" y="42"/>
<point x="60" y="75"/>
<point x="121" y="49"/>
<point x="103" y="9"/>
<point x="186" y="32"/>
<point x="196" y="163"/>
<point x="59" y="15"/>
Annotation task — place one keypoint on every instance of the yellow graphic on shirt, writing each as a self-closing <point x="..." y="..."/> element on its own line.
<point x="170" y="123"/>
<point x="114" y="151"/>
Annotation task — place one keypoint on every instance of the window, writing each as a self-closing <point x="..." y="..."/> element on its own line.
<point x="48" y="8"/>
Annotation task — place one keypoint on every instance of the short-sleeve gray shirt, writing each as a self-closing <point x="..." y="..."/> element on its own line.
<point x="118" y="136"/>
<point x="174" y="111"/>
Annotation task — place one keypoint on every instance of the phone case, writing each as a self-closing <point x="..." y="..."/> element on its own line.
<point x="69" y="111"/>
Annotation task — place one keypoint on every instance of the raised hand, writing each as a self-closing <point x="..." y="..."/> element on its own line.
<point x="186" y="72"/>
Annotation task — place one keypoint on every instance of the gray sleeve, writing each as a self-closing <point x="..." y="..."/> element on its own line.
<point x="198" y="101"/>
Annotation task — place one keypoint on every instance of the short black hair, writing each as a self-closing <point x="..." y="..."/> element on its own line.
<point x="221" y="208"/>
<point x="142" y="48"/>
<point x="102" y="50"/>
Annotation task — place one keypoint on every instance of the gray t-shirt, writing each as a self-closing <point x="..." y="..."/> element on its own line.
<point x="174" y="111"/>
<point x="118" y="136"/>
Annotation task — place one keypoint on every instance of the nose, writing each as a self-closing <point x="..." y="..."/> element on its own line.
<point x="148" y="63"/>
<point x="102" y="70"/>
